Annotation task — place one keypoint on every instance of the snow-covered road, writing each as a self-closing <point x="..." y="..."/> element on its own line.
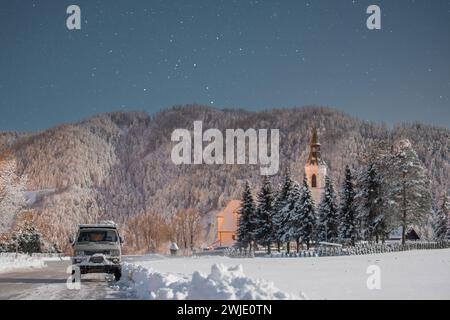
<point x="50" y="283"/>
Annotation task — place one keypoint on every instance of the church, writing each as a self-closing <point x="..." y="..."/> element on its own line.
<point x="315" y="170"/>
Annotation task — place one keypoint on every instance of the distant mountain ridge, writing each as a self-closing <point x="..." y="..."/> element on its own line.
<point x="116" y="165"/>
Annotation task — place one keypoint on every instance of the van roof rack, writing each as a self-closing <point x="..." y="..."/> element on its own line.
<point x="102" y="224"/>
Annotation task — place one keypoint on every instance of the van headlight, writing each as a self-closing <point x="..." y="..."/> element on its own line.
<point x="115" y="253"/>
<point x="115" y="260"/>
<point x="77" y="260"/>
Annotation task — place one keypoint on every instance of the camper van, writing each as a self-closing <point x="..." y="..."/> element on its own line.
<point x="97" y="249"/>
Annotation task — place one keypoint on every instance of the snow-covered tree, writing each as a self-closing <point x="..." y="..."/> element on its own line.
<point x="370" y="204"/>
<point x="281" y="216"/>
<point x="24" y="237"/>
<point x="245" y="228"/>
<point x="12" y="192"/>
<point x="328" y="220"/>
<point x="348" y="231"/>
<point x="263" y="231"/>
<point x="29" y="240"/>
<point x="409" y="186"/>
<point x="307" y="214"/>
<point x="292" y="220"/>
<point x="441" y="223"/>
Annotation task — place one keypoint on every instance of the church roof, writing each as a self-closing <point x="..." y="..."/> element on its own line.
<point x="314" y="139"/>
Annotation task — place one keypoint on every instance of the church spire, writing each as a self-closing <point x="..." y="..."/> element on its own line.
<point x="314" y="157"/>
<point x="314" y="137"/>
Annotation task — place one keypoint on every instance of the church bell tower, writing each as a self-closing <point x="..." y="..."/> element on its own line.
<point x="315" y="168"/>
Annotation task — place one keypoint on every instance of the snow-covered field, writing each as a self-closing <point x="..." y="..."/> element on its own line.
<point x="9" y="262"/>
<point x="404" y="275"/>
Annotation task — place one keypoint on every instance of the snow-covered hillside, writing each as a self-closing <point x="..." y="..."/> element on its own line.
<point x="117" y="165"/>
<point x="404" y="275"/>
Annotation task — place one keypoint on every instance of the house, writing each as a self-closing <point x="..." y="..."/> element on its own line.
<point x="227" y="221"/>
<point x="396" y="234"/>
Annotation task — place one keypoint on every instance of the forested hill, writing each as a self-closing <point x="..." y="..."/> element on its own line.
<point x="117" y="165"/>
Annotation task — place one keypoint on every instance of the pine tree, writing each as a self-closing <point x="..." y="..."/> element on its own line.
<point x="348" y="224"/>
<point x="441" y="223"/>
<point x="246" y="219"/>
<point x="369" y="203"/>
<point x="328" y="221"/>
<point x="281" y="216"/>
<point x="263" y="231"/>
<point x="25" y="237"/>
<point x="29" y="240"/>
<point x="409" y="195"/>
<point x="292" y="217"/>
<point x="306" y="208"/>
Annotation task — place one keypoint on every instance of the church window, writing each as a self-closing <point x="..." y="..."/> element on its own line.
<point x="313" y="181"/>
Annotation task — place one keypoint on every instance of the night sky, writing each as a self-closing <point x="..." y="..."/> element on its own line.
<point x="133" y="55"/>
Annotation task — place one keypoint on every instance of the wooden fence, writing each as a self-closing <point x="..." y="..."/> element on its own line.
<point x="359" y="249"/>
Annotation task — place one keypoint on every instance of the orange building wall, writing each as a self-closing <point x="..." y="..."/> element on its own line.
<point x="227" y="221"/>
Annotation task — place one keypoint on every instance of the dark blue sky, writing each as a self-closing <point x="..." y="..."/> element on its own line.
<point x="151" y="55"/>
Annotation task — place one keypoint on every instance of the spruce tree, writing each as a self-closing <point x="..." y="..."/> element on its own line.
<point x="281" y="216"/>
<point x="369" y="204"/>
<point x="306" y="208"/>
<point x="347" y="214"/>
<point x="441" y="223"/>
<point x="292" y="217"/>
<point x="27" y="239"/>
<point x="246" y="219"/>
<point x="409" y="188"/>
<point x="263" y="231"/>
<point x="328" y="222"/>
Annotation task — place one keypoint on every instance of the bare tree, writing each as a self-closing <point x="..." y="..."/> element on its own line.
<point x="187" y="228"/>
<point x="12" y="192"/>
<point x="147" y="233"/>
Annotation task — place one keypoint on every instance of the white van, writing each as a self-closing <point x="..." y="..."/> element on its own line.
<point x="97" y="249"/>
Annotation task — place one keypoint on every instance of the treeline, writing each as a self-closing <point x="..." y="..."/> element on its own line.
<point x="152" y="232"/>
<point x="391" y="190"/>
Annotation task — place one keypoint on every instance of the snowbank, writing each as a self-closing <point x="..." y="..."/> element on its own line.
<point x="12" y="261"/>
<point x="222" y="284"/>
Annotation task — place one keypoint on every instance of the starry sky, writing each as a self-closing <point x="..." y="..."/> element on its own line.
<point x="147" y="55"/>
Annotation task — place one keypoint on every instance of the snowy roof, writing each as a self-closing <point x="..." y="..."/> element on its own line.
<point x="103" y="224"/>
<point x="397" y="233"/>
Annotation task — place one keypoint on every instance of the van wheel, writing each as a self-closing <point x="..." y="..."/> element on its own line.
<point x="117" y="275"/>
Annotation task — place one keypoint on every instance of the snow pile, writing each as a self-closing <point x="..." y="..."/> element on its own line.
<point x="221" y="284"/>
<point x="9" y="262"/>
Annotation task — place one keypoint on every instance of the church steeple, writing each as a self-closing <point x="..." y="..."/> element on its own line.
<point x="314" y="157"/>
<point x="315" y="168"/>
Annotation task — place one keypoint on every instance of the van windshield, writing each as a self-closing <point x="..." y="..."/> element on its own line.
<point x="97" y="236"/>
